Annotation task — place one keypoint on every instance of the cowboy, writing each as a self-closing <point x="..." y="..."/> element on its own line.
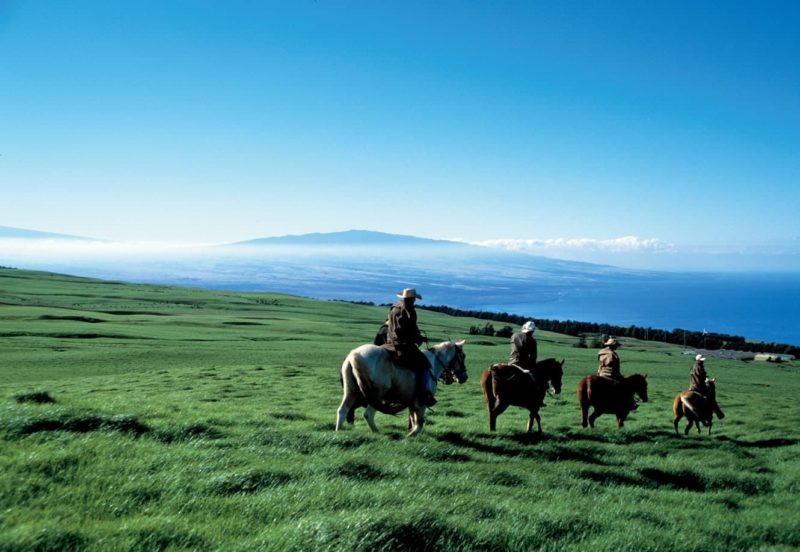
<point x="608" y="360"/>
<point x="524" y="351"/>
<point x="403" y="339"/>
<point x="697" y="376"/>
<point x="608" y="365"/>
<point x="523" y="348"/>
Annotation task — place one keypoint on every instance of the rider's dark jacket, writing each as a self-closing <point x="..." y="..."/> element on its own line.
<point x="404" y="336"/>
<point x="523" y="350"/>
<point x="697" y="378"/>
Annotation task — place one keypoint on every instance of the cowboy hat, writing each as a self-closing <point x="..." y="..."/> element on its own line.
<point x="611" y="341"/>
<point x="701" y="358"/>
<point x="409" y="293"/>
<point x="529" y="326"/>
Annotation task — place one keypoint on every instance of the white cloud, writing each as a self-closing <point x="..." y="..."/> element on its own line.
<point x="625" y="244"/>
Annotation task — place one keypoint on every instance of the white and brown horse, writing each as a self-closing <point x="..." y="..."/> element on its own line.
<point x="696" y="408"/>
<point x="370" y="378"/>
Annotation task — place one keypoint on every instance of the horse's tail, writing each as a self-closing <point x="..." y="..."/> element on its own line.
<point x="689" y="407"/>
<point x="488" y="383"/>
<point x="582" y="390"/>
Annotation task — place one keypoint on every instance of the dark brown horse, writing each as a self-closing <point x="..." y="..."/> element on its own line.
<point x="609" y="397"/>
<point x="696" y="408"/>
<point x="505" y="386"/>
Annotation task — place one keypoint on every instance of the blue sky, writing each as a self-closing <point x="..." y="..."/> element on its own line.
<point x="674" y="125"/>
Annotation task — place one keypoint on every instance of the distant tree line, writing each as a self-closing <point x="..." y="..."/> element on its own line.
<point x="678" y="336"/>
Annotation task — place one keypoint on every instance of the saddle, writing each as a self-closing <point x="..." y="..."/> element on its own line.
<point x="404" y="358"/>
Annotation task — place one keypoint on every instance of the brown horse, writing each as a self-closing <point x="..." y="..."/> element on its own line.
<point x="609" y="397"/>
<point x="696" y="408"/>
<point x="505" y="386"/>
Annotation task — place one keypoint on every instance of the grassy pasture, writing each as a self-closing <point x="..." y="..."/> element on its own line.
<point x="162" y="418"/>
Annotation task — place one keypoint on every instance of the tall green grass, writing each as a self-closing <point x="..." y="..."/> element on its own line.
<point x="155" y="418"/>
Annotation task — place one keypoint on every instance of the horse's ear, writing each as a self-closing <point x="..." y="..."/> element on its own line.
<point x="460" y="343"/>
<point x="562" y="361"/>
<point x="645" y="376"/>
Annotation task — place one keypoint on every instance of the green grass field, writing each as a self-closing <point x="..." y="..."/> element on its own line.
<point x="191" y="419"/>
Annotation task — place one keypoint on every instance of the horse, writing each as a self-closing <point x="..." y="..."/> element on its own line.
<point x="371" y="378"/>
<point x="608" y="396"/>
<point x="506" y="385"/>
<point x="696" y="408"/>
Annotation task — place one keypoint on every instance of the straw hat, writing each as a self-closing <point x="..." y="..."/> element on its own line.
<point x="611" y="341"/>
<point x="409" y="293"/>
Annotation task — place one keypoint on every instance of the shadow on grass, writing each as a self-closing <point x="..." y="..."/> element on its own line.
<point x="518" y="445"/>
<point x="38" y="397"/>
<point x="248" y="482"/>
<point x="359" y="471"/>
<point x="684" y="480"/>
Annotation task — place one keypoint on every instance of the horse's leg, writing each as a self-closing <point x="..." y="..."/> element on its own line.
<point x="677" y="412"/>
<point x="495" y="412"/>
<point x="531" y="418"/>
<point x="688" y="428"/>
<point x="343" y="411"/>
<point x="538" y="423"/>
<point x="369" y="416"/>
<point x="417" y="416"/>
<point x="595" y="414"/>
<point x="710" y="423"/>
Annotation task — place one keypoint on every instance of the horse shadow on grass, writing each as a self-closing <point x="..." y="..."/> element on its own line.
<point x="516" y="446"/>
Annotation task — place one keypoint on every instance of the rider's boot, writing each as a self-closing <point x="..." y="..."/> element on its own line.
<point x="424" y="391"/>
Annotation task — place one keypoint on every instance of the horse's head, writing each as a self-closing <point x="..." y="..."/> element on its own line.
<point x="711" y="388"/>
<point x="551" y="371"/>
<point x="452" y="357"/>
<point x="638" y="384"/>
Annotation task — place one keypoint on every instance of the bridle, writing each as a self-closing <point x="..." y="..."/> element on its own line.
<point x="448" y="375"/>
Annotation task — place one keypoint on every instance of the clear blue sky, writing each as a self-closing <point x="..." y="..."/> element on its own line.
<point x="223" y="121"/>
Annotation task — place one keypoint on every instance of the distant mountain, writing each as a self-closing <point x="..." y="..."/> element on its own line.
<point x="21" y="233"/>
<point x="347" y="238"/>
<point x="361" y="265"/>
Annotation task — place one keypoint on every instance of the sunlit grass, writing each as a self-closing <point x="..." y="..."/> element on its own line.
<point x="201" y="420"/>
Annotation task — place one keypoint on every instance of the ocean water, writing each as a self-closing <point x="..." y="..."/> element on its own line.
<point x="761" y="307"/>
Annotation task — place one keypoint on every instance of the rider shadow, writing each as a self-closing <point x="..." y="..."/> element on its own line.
<point x="761" y="443"/>
<point x="511" y="448"/>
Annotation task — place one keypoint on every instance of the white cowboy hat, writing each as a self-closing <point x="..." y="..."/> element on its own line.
<point x="611" y="341"/>
<point x="701" y="358"/>
<point x="408" y="293"/>
<point x="529" y="326"/>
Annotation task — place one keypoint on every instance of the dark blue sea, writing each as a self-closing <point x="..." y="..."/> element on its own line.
<point x="761" y="307"/>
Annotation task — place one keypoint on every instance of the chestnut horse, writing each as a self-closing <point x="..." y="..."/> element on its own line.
<point x="505" y="386"/>
<point x="608" y="396"/>
<point x="696" y="408"/>
<point x="370" y="378"/>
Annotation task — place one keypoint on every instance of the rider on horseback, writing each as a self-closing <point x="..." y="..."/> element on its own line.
<point x="608" y="365"/>
<point x="698" y="382"/>
<point x="403" y="338"/>
<point x="523" y="348"/>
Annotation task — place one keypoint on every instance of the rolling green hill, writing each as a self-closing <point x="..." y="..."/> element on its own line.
<point x="151" y="418"/>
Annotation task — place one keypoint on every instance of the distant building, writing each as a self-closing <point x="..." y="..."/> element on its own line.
<point x="773" y="357"/>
